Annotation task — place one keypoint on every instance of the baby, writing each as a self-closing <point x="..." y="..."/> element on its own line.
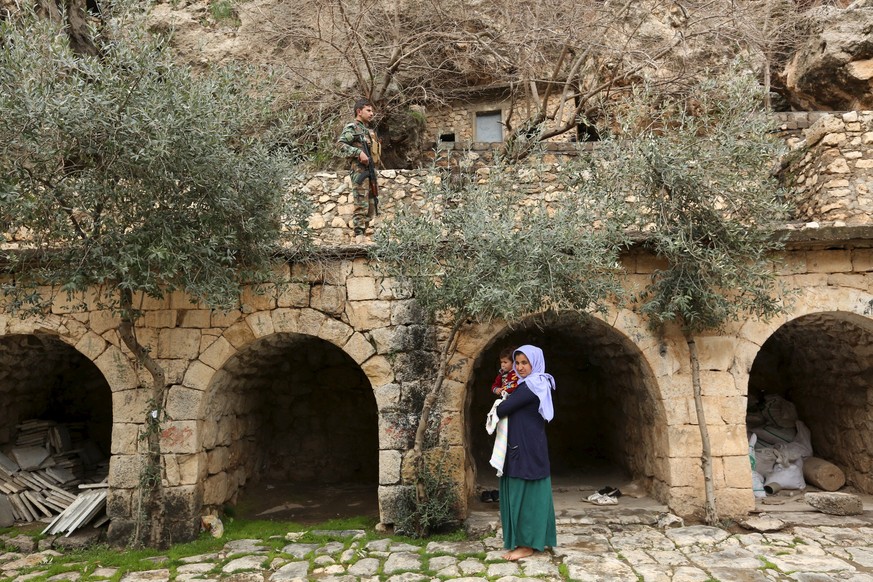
<point x="506" y="380"/>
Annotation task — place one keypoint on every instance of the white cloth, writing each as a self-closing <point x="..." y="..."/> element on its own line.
<point x="499" y="427"/>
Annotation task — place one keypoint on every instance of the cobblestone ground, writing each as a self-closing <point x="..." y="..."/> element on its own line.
<point x="620" y="545"/>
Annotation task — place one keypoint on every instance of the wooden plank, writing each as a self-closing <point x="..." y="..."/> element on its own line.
<point x="22" y="507"/>
<point x="36" y="501"/>
<point x="94" y="505"/>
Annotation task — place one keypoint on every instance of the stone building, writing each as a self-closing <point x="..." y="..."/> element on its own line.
<point x="318" y="380"/>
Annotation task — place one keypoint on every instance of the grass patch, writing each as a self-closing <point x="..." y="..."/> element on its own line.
<point x="224" y="12"/>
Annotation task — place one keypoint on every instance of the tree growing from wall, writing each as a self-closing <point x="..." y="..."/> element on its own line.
<point x="126" y="173"/>
<point x="491" y="252"/>
<point x="698" y="168"/>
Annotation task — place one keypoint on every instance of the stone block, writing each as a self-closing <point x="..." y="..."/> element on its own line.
<point x="358" y="347"/>
<point x="125" y="471"/>
<point x="198" y="376"/>
<point x="310" y="321"/>
<point x="91" y="345"/>
<point x="452" y="396"/>
<point x="181" y="300"/>
<point x="717" y="384"/>
<point x="184" y="469"/>
<point x="239" y="335"/>
<point x="736" y="471"/>
<point x="126" y="438"/>
<point x="792" y="263"/>
<point x="130" y="405"/>
<point x="406" y="312"/>
<point x="473" y="339"/>
<point x="715" y="352"/>
<point x="178" y="343"/>
<point x="391" y="288"/>
<point x="684" y="441"/>
<point x="199" y="318"/>
<point x="378" y="370"/>
<point x="261" y="324"/>
<point x="218" y="460"/>
<point x="329" y="299"/>
<point x="258" y="298"/>
<point x="835" y="503"/>
<point x="387" y="395"/>
<point x="335" y="331"/>
<point x="293" y="295"/>
<point x="217" y="354"/>
<point x="367" y="315"/>
<point x="391" y="502"/>
<point x="215" y="489"/>
<point x="162" y="318"/>
<point x="728" y="440"/>
<point x="397" y="430"/>
<point x="286" y="320"/>
<point x="734" y="502"/>
<point x="185" y="403"/>
<point x="148" y="303"/>
<point x="685" y="472"/>
<point x="829" y="261"/>
<point x="179" y="436"/>
<point x="361" y="288"/>
<point x="102" y="321"/>
<point x="222" y="319"/>
<point x="862" y="260"/>
<point x="119" y="502"/>
<point x="389" y="467"/>
<point x="850" y="280"/>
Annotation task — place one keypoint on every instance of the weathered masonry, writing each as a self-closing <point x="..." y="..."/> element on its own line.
<point x="320" y="380"/>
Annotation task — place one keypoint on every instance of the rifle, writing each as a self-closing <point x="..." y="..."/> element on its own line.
<point x="374" y="185"/>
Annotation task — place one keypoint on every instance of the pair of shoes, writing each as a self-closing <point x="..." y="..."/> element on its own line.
<point x="601" y="499"/>
<point x="489" y="496"/>
<point x="610" y="491"/>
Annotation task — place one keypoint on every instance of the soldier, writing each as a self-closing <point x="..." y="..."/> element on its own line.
<point x="360" y="145"/>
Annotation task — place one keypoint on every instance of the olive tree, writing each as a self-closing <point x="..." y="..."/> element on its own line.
<point x="699" y="170"/>
<point x="488" y="251"/>
<point x="125" y="175"/>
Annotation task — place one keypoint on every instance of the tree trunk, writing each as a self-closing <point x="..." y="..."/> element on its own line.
<point x="151" y="510"/>
<point x="710" y="512"/>
<point x="427" y="406"/>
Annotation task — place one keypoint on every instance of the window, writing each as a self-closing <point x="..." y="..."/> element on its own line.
<point x="444" y="137"/>
<point x="489" y="126"/>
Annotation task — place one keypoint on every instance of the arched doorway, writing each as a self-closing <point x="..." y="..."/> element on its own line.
<point x="822" y="363"/>
<point x="607" y="415"/>
<point x="55" y="422"/>
<point x="295" y="433"/>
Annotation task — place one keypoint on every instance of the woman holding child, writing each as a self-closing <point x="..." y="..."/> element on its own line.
<point x="527" y="511"/>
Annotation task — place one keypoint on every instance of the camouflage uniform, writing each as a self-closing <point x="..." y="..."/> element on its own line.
<point x="350" y="144"/>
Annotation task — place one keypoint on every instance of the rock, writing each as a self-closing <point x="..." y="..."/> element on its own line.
<point x="832" y="70"/>
<point x="763" y="523"/>
<point x="834" y="503"/>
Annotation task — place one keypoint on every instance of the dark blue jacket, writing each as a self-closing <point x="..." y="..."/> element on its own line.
<point x="527" y="451"/>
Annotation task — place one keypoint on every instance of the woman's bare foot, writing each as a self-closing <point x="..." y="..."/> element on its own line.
<point x="518" y="553"/>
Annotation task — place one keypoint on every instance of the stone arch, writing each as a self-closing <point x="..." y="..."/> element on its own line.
<point x="51" y="387"/>
<point x="822" y="362"/>
<point x="262" y="416"/>
<point x="610" y="415"/>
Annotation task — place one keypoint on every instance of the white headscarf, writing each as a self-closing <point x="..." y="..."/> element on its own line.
<point x="539" y="382"/>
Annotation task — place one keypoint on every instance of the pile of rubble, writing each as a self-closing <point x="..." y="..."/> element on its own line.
<point x="41" y="477"/>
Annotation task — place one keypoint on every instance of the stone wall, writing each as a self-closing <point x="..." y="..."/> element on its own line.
<point x="830" y="170"/>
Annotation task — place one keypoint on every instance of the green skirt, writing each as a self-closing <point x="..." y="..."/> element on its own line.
<point x="527" y="513"/>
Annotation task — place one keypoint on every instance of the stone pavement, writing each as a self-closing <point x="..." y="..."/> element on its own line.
<point x="603" y="544"/>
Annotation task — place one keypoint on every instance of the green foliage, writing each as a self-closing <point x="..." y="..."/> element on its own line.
<point x="128" y="171"/>
<point x="224" y="12"/>
<point x="490" y="251"/>
<point x="698" y="168"/>
<point x="437" y="511"/>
